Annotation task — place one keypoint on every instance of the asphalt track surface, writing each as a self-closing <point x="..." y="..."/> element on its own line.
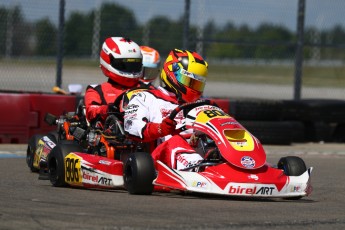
<point x="29" y="203"/>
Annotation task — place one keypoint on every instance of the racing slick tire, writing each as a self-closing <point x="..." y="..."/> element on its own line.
<point x="292" y="165"/>
<point x="30" y="152"/>
<point x="56" y="165"/>
<point x="139" y="173"/>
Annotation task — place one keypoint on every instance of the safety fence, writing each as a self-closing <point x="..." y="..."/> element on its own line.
<point x="251" y="43"/>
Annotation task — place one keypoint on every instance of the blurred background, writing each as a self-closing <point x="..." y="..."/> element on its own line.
<point x="272" y="49"/>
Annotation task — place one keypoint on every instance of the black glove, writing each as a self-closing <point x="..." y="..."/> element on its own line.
<point x="112" y="108"/>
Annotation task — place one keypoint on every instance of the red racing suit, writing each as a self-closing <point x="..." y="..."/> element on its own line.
<point x="153" y="106"/>
<point x="97" y="98"/>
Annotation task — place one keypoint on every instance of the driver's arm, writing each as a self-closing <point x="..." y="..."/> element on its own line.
<point x="143" y="119"/>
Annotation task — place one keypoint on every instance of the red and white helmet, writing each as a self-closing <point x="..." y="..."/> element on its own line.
<point x="121" y="61"/>
<point x="151" y="63"/>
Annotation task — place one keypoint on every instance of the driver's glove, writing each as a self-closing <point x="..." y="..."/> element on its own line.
<point x="111" y="108"/>
<point x="154" y="131"/>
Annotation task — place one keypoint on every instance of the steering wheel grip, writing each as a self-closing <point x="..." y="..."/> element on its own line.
<point x="186" y="107"/>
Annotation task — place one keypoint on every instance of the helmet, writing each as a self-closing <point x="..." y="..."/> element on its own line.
<point x="121" y="61"/>
<point x="184" y="73"/>
<point x="151" y="63"/>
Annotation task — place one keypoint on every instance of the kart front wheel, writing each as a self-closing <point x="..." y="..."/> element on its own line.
<point x="292" y="165"/>
<point x="56" y="166"/>
<point x="139" y="173"/>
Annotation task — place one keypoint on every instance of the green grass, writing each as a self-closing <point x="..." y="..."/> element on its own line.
<point x="316" y="76"/>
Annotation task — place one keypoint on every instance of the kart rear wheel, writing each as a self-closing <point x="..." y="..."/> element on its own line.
<point x="30" y="152"/>
<point x="56" y="166"/>
<point x="292" y="165"/>
<point x="139" y="173"/>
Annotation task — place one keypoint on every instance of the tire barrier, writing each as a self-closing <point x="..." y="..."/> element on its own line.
<point x="308" y="120"/>
<point x="271" y="121"/>
<point x="276" y="132"/>
<point x="23" y="114"/>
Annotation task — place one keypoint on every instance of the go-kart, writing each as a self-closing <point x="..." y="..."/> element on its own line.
<point x="234" y="160"/>
<point x="104" y="138"/>
<point x="71" y="126"/>
<point x="234" y="163"/>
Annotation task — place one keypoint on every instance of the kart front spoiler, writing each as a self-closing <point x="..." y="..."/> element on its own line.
<point x="228" y="180"/>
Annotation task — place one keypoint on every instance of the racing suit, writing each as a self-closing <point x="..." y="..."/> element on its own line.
<point x="98" y="97"/>
<point x="152" y="106"/>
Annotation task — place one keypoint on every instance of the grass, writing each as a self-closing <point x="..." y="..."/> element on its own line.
<point x="316" y="76"/>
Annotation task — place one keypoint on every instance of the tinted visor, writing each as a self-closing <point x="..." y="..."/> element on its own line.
<point x="151" y="73"/>
<point x="190" y="80"/>
<point x="129" y="65"/>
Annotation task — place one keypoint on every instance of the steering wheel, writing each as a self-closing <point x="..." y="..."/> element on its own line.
<point x="188" y="107"/>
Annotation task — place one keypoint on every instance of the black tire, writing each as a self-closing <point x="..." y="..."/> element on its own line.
<point x="30" y="152"/>
<point x="310" y="110"/>
<point x="56" y="166"/>
<point x="53" y="136"/>
<point x="256" y="109"/>
<point x="292" y="165"/>
<point x="139" y="173"/>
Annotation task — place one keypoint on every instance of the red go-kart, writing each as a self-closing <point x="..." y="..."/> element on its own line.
<point x="234" y="163"/>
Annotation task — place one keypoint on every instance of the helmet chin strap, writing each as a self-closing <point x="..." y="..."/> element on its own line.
<point x="115" y="83"/>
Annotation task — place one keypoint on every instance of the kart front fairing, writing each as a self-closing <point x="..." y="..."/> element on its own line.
<point x="91" y="171"/>
<point x="225" y="179"/>
<point x="236" y="144"/>
<point x="243" y="170"/>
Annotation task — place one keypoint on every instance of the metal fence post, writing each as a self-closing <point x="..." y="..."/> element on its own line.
<point x="60" y="42"/>
<point x="186" y="24"/>
<point x="299" y="49"/>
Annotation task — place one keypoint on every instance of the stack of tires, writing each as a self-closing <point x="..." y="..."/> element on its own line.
<point x="324" y="119"/>
<point x="283" y="122"/>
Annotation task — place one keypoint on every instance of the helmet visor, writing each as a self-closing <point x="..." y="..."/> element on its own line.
<point x="151" y="73"/>
<point x="190" y="80"/>
<point x="129" y="65"/>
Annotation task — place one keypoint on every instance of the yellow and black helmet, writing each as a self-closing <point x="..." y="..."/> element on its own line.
<point x="184" y="73"/>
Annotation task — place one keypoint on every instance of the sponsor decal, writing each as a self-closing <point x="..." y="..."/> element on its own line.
<point x="199" y="184"/>
<point x="207" y="107"/>
<point x="104" y="181"/>
<point x="229" y="123"/>
<point x="94" y="178"/>
<point x="129" y="112"/>
<point x="89" y="177"/>
<point x="241" y="143"/>
<point x="296" y="189"/>
<point x="132" y="106"/>
<point x="253" y="177"/>
<point x="247" y="162"/>
<point x="180" y="158"/>
<point x="104" y="162"/>
<point x="251" y="190"/>
<point x="48" y="142"/>
<point x="38" y="153"/>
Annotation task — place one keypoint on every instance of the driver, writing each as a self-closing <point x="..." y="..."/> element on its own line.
<point x="121" y="63"/>
<point x="146" y="116"/>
